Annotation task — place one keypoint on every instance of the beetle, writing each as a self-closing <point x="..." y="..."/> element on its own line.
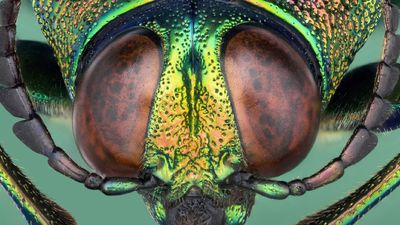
<point x="207" y="97"/>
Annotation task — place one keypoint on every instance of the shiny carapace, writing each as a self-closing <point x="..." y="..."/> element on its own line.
<point x="198" y="104"/>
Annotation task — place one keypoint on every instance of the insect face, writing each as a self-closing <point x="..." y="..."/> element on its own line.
<point x="196" y="104"/>
<point x="191" y="94"/>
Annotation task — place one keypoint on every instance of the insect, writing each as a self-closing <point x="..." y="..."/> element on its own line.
<point x="160" y="105"/>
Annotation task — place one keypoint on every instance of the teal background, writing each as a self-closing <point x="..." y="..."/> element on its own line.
<point x="93" y="208"/>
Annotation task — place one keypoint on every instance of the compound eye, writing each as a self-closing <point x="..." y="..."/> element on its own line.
<point x="113" y="104"/>
<point x="275" y="98"/>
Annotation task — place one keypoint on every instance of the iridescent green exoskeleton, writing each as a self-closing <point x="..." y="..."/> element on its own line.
<point x="198" y="104"/>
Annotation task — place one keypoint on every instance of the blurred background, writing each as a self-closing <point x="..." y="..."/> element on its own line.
<point x="93" y="208"/>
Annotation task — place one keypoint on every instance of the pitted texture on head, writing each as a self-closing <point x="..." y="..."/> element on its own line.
<point x="68" y="25"/>
<point x="340" y="29"/>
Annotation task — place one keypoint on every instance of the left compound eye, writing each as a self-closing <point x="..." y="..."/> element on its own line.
<point x="113" y="103"/>
<point x="275" y="98"/>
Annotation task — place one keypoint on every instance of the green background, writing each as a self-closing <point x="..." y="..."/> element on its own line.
<point x="93" y="208"/>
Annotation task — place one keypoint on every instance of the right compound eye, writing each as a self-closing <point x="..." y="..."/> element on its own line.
<point x="113" y="104"/>
<point x="275" y="97"/>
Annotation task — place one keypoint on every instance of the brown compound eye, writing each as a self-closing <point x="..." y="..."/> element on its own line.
<point x="275" y="98"/>
<point x="113" y="103"/>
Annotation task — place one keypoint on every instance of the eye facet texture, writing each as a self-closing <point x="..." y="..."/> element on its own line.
<point x="275" y="98"/>
<point x="113" y="104"/>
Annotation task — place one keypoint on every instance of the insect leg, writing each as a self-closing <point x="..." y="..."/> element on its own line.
<point x="35" y="206"/>
<point x="12" y="91"/>
<point x="32" y="131"/>
<point x="351" y="208"/>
